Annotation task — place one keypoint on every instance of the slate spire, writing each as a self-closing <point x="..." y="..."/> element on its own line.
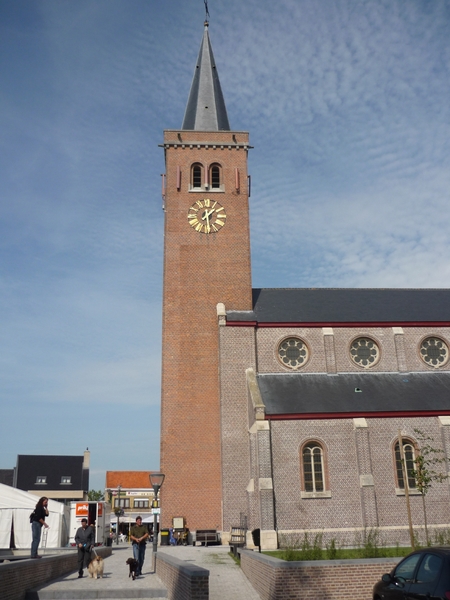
<point x="205" y="110"/>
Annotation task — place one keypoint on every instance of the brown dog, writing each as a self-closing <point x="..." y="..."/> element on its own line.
<point x="133" y="564"/>
<point x="95" y="567"/>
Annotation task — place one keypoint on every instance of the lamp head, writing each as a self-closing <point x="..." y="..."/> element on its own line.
<point x="156" y="480"/>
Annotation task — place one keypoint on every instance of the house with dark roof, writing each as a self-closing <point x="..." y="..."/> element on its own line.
<point x="292" y="410"/>
<point x="63" y="478"/>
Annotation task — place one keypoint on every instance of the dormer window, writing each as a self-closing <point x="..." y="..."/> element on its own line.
<point x="66" y="480"/>
<point x="41" y="479"/>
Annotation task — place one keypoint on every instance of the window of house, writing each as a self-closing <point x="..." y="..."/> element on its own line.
<point x="41" y="479"/>
<point x="215" y="177"/>
<point x="410" y="454"/>
<point x="66" y="479"/>
<point x="196" y="179"/>
<point x="122" y="502"/>
<point x="141" y="504"/>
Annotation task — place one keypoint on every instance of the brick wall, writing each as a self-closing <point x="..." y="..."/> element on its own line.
<point x="200" y="270"/>
<point x="183" y="581"/>
<point x="275" y="579"/>
<point x="352" y="452"/>
<point x="360" y="469"/>
<point x="329" y="348"/>
<point x="19" y="576"/>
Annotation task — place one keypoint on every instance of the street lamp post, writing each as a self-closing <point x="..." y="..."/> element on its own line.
<point x="118" y="512"/>
<point x="156" y="481"/>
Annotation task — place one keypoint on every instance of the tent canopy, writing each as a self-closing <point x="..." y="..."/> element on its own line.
<point x="15" y="509"/>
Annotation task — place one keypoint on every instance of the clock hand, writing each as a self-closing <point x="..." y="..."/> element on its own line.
<point x="207" y="214"/>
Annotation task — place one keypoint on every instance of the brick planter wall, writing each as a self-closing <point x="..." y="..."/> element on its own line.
<point x="276" y="579"/>
<point x="183" y="581"/>
<point x="19" y="576"/>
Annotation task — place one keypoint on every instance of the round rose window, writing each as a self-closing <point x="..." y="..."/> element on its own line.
<point x="293" y="353"/>
<point x="434" y="351"/>
<point x="364" y="352"/>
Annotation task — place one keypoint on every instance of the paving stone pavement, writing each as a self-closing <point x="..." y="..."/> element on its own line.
<point x="226" y="580"/>
<point x="115" y="582"/>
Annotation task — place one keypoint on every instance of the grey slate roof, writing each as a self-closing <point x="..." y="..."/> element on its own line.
<point x="29" y="466"/>
<point x="321" y="394"/>
<point x="340" y="305"/>
<point x="205" y="110"/>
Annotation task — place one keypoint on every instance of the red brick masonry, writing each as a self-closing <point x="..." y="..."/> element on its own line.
<point x="183" y="581"/>
<point x="276" y="579"/>
<point x="17" y="577"/>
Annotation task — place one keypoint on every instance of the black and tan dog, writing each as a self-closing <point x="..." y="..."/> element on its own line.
<point x="133" y="564"/>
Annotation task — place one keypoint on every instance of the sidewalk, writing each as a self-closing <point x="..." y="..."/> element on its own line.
<point x="226" y="580"/>
<point x="115" y="582"/>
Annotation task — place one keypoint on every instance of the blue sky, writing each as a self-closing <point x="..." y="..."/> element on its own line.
<point x="347" y="105"/>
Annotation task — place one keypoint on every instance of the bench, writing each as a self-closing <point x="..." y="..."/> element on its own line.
<point x="237" y="538"/>
<point x="206" y="536"/>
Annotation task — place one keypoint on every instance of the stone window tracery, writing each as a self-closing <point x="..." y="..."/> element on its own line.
<point x="364" y="352"/>
<point x="434" y="352"/>
<point x="293" y="353"/>
<point x="313" y="468"/>
<point x="410" y="454"/>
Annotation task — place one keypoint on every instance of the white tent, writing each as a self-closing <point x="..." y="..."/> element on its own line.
<point x="15" y="508"/>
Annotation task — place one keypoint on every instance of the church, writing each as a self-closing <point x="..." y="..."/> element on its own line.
<point x="288" y="408"/>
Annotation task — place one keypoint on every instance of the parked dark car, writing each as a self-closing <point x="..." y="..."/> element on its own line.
<point x="423" y="574"/>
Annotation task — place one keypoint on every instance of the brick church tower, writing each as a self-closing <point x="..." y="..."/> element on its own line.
<point x="206" y="262"/>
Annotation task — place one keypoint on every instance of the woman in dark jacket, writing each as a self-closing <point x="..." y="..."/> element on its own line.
<point x="37" y="521"/>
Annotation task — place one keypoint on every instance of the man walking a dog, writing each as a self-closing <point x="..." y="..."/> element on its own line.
<point x="84" y="539"/>
<point x="139" y="535"/>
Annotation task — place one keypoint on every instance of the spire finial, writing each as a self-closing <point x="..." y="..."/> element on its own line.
<point x="206" y="13"/>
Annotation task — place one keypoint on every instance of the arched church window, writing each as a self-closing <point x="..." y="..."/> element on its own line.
<point x="293" y="353"/>
<point x="215" y="177"/>
<point x="410" y="454"/>
<point x="434" y="352"/>
<point x="313" y="467"/>
<point x="364" y="352"/>
<point x="196" y="176"/>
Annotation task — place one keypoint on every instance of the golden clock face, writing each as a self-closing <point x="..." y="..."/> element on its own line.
<point x="207" y="216"/>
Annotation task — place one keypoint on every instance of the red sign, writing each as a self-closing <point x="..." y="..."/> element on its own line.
<point x="100" y="509"/>
<point x="81" y="509"/>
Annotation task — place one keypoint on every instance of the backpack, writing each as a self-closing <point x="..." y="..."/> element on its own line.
<point x="32" y="516"/>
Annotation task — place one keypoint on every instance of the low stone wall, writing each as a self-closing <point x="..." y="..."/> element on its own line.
<point x="276" y="579"/>
<point x="183" y="581"/>
<point x="16" y="577"/>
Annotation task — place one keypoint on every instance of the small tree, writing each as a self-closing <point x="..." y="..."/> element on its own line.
<point x="95" y="495"/>
<point x="427" y="470"/>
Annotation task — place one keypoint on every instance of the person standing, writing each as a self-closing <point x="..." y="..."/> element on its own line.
<point x="84" y="539"/>
<point x="37" y="520"/>
<point x="139" y="535"/>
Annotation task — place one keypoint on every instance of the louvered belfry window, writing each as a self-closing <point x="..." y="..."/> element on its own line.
<point x="215" y="176"/>
<point x="197" y="176"/>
